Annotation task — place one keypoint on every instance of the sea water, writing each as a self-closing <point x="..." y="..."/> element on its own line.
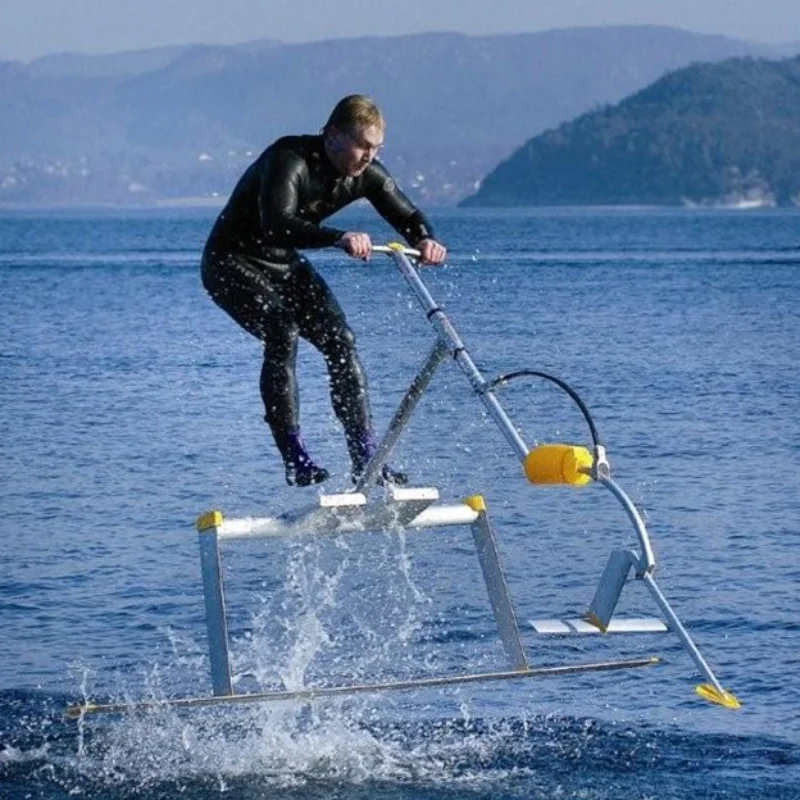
<point x="129" y="405"/>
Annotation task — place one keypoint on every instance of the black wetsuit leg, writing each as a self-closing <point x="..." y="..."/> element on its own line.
<point x="252" y="293"/>
<point x="249" y="291"/>
<point x="322" y="322"/>
<point x="276" y="303"/>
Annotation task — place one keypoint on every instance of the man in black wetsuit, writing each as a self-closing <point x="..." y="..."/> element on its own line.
<point x="252" y="269"/>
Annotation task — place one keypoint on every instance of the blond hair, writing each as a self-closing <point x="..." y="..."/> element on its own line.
<point x="354" y="112"/>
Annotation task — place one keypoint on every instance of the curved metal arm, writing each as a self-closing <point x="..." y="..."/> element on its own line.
<point x="647" y="560"/>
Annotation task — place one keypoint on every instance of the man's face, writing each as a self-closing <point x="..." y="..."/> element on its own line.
<point x="353" y="151"/>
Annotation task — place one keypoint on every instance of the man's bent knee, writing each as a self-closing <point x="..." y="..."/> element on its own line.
<point x="338" y="344"/>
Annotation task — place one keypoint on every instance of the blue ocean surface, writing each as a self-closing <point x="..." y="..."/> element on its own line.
<point x="129" y="405"/>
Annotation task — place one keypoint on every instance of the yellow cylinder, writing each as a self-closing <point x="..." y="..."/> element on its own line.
<point x="558" y="464"/>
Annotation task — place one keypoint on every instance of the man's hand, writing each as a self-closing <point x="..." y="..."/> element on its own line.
<point x="358" y="245"/>
<point x="431" y="252"/>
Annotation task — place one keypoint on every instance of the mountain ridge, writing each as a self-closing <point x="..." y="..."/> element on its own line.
<point x="456" y="105"/>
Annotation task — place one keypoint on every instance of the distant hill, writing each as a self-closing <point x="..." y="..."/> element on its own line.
<point x="78" y="65"/>
<point x="126" y="64"/>
<point x="170" y="123"/>
<point x="710" y="134"/>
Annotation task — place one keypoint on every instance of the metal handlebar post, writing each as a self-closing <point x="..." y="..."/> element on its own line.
<point x="452" y="341"/>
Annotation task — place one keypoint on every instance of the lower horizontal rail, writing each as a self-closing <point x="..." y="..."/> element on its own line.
<point x="79" y="709"/>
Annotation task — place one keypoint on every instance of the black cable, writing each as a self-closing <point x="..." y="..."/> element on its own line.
<point x="562" y="385"/>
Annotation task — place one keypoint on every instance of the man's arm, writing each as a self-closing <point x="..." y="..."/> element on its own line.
<point x="278" y="205"/>
<point x="403" y="215"/>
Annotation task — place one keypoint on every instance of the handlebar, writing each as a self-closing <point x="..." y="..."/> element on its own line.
<point x="390" y="249"/>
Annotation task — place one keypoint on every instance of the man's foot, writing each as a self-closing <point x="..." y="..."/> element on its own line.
<point x="300" y="467"/>
<point x="305" y="474"/>
<point x="395" y="476"/>
<point x="362" y="449"/>
<point x="387" y="475"/>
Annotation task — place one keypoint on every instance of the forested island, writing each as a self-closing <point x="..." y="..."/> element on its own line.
<point x="718" y="134"/>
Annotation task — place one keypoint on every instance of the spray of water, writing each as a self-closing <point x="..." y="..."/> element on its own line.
<point x="312" y="628"/>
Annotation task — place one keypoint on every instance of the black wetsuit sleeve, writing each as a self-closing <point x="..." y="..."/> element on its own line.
<point x="396" y="208"/>
<point x="278" y="201"/>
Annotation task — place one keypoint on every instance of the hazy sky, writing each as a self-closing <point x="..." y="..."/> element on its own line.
<point x="30" y="28"/>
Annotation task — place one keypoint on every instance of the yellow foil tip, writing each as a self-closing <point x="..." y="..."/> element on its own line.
<point x="211" y="519"/>
<point x="724" y="698"/>
<point x="476" y="502"/>
<point x="593" y="619"/>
